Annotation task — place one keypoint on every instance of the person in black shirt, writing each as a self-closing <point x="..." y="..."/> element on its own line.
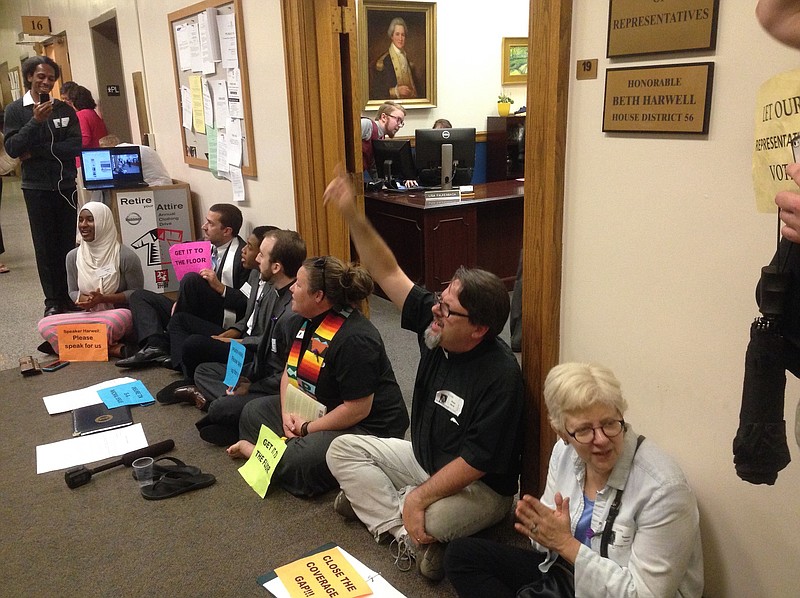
<point x="460" y="471"/>
<point x="338" y="358"/>
<point x="45" y="135"/>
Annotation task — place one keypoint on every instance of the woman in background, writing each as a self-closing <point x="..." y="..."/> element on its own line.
<point x="101" y="275"/>
<point x="93" y="128"/>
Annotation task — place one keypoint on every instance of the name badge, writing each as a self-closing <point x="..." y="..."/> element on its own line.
<point x="450" y="401"/>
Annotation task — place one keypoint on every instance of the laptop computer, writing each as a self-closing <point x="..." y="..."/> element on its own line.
<point x="112" y="168"/>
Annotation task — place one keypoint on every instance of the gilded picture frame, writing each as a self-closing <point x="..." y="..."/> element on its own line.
<point x="515" y="60"/>
<point x="408" y="74"/>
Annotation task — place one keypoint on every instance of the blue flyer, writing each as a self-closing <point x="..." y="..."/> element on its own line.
<point x="235" y="363"/>
<point x="132" y="393"/>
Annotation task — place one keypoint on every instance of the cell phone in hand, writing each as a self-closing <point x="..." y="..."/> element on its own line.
<point x="55" y="365"/>
<point x="44" y="97"/>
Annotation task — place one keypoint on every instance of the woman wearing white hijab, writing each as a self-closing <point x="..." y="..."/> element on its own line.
<point x="101" y="275"/>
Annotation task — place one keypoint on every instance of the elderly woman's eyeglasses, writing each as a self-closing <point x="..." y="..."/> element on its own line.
<point x="586" y="434"/>
<point x="320" y="263"/>
<point x="445" y="309"/>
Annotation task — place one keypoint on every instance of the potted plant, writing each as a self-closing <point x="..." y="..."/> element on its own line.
<point x="504" y="104"/>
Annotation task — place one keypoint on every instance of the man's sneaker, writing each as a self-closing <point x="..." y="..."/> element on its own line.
<point x="341" y="504"/>
<point x="428" y="557"/>
<point x="430" y="561"/>
<point x="402" y="551"/>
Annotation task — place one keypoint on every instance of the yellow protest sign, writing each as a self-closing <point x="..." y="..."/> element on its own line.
<point x="259" y="467"/>
<point x="325" y="573"/>
<point x="777" y="120"/>
<point x="82" y="342"/>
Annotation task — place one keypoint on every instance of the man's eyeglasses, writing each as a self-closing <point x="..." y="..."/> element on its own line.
<point x="400" y="121"/>
<point x="586" y="434"/>
<point x="445" y="309"/>
<point x="320" y="263"/>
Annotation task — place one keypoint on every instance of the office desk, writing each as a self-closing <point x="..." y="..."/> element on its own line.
<point x="432" y="241"/>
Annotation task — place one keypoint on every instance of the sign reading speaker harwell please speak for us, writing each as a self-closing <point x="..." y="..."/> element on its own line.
<point x="150" y="221"/>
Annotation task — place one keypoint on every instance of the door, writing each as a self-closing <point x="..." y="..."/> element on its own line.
<point x="320" y="44"/>
<point x="57" y="49"/>
<point x="112" y="98"/>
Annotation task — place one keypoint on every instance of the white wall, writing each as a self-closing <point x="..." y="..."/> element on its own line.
<point x="469" y="64"/>
<point x="270" y="196"/>
<point x="72" y="17"/>
<point x="145" y="44"/>
<point x="662" y="243"/>
<point x="662" y="250"/>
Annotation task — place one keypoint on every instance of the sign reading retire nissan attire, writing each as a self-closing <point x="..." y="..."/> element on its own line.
<point x="150" y="221"/>
<point x="651" y="26"/>
<point x="659" y="99"/>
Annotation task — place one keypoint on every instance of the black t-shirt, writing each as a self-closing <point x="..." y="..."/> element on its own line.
<point x="356" y="366"/>
<point x="466" y="405"/>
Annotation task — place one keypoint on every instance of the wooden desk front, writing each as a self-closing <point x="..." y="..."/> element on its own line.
<point x="432" y="241"/>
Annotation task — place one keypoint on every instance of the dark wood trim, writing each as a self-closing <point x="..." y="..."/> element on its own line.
<point x="320" y="51"/>
<point x="546" y="139"/>
<point x="313" y="92"/>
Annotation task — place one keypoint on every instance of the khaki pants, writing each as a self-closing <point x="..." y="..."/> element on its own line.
<point x="377" y="473"/>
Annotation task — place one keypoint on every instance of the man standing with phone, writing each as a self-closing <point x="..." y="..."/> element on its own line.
<point x="45" y="135"/>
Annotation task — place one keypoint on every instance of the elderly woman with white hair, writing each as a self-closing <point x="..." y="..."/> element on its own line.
<point x="101" y="275"/>
<point x="617" y="517"/>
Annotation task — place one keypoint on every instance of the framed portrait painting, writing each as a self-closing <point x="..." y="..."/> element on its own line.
<point x="515" y="60"/>
<point x="398" y="53"/>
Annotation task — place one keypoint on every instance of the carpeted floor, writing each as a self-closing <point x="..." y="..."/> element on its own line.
<point x="103" y="539"/>
<point x="21" y="297"/>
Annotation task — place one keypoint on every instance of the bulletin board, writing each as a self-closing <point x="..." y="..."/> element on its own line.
<point x="212" y="84"/>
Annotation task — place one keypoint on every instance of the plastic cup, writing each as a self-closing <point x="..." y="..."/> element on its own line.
<point x="143" y="471"/>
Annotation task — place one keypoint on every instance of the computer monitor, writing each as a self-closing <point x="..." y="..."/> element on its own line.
<point x="394" y="160"/>
<point x="431" y="145"/>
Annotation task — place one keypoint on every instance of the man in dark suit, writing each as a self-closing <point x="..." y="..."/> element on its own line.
<point x="282" y="253"/>
<point x="194" y="340"/>
<point x="213" y="294"/>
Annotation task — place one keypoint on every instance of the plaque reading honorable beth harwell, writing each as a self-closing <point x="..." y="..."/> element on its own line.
<point x="659" y="99"/>
<point x="637" y="27"/>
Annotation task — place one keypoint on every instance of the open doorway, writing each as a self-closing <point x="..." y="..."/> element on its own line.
<point x="57" y="49"/>
<point x="112" y="98"/>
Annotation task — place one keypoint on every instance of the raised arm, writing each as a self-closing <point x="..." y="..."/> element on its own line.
<point x="373" y="251"/>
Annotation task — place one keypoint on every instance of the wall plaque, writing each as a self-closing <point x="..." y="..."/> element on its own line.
<point x="638" y="27"/>
<point x="658" y="99"/>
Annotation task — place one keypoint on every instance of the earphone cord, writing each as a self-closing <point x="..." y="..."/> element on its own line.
<point x="70" y="201"/>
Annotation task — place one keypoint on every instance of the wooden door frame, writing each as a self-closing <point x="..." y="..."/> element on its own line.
<point x="321" y="70"/>
<point x="322" y="79"/>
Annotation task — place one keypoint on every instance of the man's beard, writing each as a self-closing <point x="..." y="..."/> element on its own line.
<point x="432" y="339"/>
